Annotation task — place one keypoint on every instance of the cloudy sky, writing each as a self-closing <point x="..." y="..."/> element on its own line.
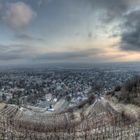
<point x="70" y="31"/>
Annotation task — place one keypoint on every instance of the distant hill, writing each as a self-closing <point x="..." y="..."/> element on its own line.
<point x="129" y="92"/>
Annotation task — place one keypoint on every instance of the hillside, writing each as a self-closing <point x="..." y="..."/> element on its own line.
<point x="96" y="121"/>
<point x="128" y="93"/>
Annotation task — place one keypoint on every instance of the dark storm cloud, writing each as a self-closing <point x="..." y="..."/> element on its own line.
<point x="130" y="37"/>
<point x="127" y="14"/>
<point x="111" y="9"/>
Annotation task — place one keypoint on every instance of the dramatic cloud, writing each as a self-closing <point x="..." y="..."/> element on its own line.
<point x="113" y="9"/>
<point x="70" y="30"/>
<point x="27" y="37"/>
<point x="16" y="15"/>
<point x="25" y="52"/>
<point x="130" y="37"/>
<point x="70" y="55"/>
<point x="126" y="14"/>
<point x="110" y="9"/>
<point x="20" y="52"/>
<point x="16" y="52"/>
